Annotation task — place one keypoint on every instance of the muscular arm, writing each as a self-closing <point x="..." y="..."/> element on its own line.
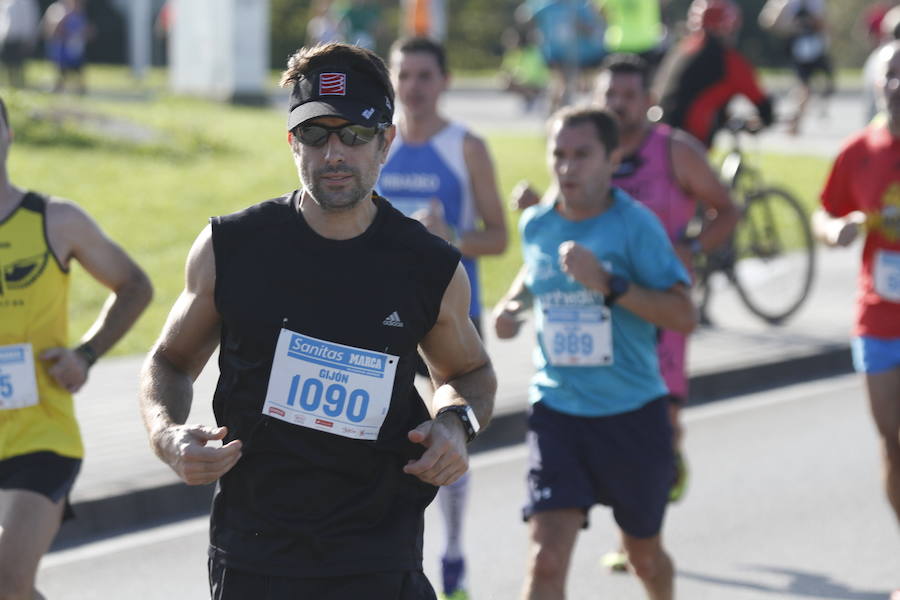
<point x="74" y="234"/>
<point x="189" y="337"/>
<point x="670" y="309"/>
<point x="462" y="374"/>
<point x="492" y="238"/>
<point x="697" y="179"/>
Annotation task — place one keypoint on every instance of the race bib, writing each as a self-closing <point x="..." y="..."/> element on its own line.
<point x="578" y="336"/>
<point x="330" y="387"/>
<point x="886" y="273"/>
<point x="18" y="384"/>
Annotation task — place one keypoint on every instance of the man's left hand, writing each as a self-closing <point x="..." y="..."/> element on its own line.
<point x="580" y="263"/>
<point x="446" y="457"/>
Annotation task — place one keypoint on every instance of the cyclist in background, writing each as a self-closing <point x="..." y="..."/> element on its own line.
<point x="704" y="73"/>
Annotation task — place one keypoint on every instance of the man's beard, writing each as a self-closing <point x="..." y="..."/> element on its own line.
<point x="337" y="201"/>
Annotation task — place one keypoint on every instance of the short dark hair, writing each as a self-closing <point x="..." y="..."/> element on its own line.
<point x="627" y="64"/>
<point x="423" y="44"/>
<point x="307" y="59"/>
<point x="605" y="123"/>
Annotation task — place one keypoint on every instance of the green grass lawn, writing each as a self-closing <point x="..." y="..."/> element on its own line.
<point x="152" y="173"/>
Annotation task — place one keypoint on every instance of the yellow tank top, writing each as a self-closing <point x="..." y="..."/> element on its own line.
<point x="34" y="292"/>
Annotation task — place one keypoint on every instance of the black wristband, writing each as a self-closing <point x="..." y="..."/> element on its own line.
<point x="87" y="353"/>
<point x="466" y="415"/>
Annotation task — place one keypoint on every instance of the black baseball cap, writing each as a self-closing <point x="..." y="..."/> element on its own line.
<point x="334" y="91"/>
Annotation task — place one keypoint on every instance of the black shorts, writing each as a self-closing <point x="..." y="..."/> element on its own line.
<point x="624" y="461"/>
<point x="14" y="52"/>
<point x="422" y="368"/>
<point x="45" y="473"/>
<point x="226" y="583"/>
<point x="806" y="70"/>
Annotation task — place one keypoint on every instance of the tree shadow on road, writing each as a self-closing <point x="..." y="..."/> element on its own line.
<point x="799" y="584"/>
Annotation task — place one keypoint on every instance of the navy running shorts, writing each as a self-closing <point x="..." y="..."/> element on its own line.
<point x="623" y="461"/>
<point x="226" y="583"/>
<point x="45" y="473"/>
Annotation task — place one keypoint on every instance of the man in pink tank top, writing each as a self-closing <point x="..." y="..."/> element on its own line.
<point x="667" y="170"/>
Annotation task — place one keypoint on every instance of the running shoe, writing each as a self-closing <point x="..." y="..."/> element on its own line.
<point x="616" y="561"/>
<point x="679" y="486"/>
<point x="453" y="572"/>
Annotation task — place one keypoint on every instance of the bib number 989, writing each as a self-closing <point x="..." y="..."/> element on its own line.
<point x="573" y="343"/>
<point x="333" y="400"/>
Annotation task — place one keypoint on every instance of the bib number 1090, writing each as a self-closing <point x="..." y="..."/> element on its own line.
<point x="573" y="343"/>
<point x="334" y="400"/>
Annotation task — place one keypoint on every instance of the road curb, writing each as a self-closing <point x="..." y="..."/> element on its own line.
<point x="141" y="508"/>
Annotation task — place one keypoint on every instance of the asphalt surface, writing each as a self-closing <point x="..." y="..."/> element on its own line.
<point x="784" y="502"/>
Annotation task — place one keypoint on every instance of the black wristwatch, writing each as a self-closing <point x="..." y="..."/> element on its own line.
<point x="466" y="415"/>
<point x="87" y="353"/>
<point x="618" y="285"/>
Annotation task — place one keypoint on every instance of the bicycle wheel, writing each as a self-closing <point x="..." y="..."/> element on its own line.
<point x="775" y="255"/>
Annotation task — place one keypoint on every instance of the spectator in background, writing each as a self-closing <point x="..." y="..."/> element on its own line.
<point x="18" y="34"/>
<point x="634" y="27"/>
<point x="324" y="26"/>
<point x="523" y="70"/>
<point x="570" y="35"/>
<point x="704" y="72"/>
<point x="890" y="31"/>
<point x="66" y="31"/>
<point x="359" y="21"/>
<point x="808" y="52"/>
<point x="424" y="18"/>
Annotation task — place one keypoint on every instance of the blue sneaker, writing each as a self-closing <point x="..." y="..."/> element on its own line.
<point x="453" y="573"/>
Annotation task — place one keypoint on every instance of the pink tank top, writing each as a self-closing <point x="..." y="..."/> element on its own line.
<point x="647" y="176"/>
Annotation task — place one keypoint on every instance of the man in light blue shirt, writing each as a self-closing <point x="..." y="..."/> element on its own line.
<point x="602" y="277"/>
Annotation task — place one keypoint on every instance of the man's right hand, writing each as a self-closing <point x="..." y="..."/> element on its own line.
<point x="184" y="449"/>
<point x="523" y="196"/>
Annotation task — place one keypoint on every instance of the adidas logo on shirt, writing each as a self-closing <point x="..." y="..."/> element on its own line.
<point x="393" y="320"/>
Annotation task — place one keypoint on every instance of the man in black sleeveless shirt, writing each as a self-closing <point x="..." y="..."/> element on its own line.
<point x="318" y="301"/>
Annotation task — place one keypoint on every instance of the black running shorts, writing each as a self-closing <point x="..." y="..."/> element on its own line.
<point x="226" y="583"/>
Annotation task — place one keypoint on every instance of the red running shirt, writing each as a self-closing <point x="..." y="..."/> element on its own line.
<point x="866" y="177"/>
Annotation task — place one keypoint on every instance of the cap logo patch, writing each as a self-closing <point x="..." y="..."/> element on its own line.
<point x="367" y="114"/>
<point x="333" y="84"/>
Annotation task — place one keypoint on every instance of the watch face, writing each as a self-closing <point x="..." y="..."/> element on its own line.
<point x="618" y="285"/>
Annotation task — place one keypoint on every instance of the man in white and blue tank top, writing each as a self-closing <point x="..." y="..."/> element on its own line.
<point x="437" y="171"/>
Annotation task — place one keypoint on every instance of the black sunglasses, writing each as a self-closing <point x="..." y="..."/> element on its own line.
<point x="350" y="134"/>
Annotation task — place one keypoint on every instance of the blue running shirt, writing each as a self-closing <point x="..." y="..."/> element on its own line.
<point x="628" y="240"/>
<point x="416" y="174"/>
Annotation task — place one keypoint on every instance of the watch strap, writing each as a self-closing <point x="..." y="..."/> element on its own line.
<point x="466" y="416"/>
<point x="88" y="353"/>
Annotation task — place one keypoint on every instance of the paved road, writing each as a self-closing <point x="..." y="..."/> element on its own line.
<point x="826" y="124"/>
<point x="785" y="503"/>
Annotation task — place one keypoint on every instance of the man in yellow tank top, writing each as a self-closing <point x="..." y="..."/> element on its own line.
<point x="40" y="443"/>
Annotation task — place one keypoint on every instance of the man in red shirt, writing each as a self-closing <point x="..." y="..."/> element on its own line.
<point x="863" y="193"/>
